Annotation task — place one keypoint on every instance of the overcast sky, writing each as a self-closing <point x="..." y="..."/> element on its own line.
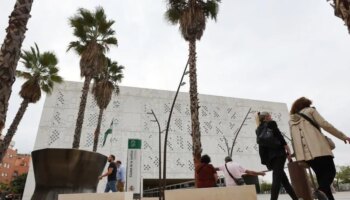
<point x="274" y="50"/>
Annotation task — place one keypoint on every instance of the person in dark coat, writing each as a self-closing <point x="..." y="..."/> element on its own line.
<point x="275" y="157"/>
<point x="206" y="173"/>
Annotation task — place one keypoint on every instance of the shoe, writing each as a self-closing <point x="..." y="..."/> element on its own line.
<point x="320" y="195"/>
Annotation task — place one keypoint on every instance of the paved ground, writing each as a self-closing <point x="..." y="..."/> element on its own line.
<point x="337" y="196"/>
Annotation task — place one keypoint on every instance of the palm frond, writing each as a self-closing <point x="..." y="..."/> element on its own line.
<point x="105" y="28"/>
<point x="87" y="17"/>
<point x="25" y="75"/>
<point x="110" y="41"/>
<point x="211" y="8"/>
<point x="56" y="78"/>
<point x="173" y="15"/>
<point x="78" y="47"/>
<point x="48" y="59"/>
<point x="53" y="70"/>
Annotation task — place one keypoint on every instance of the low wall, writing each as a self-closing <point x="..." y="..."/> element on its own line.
<point x="97" y="196"/>
<point x="246" y="192"/>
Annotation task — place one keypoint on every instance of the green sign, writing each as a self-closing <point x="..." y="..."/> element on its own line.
<point x="134" y="144"/>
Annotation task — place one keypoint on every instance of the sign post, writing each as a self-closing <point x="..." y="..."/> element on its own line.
<point x="133" y="173"/>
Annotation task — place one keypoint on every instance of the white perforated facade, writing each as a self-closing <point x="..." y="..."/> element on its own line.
<point x="220" y="118"/>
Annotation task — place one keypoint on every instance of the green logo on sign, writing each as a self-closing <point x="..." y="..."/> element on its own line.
<point x="134" y="144"/>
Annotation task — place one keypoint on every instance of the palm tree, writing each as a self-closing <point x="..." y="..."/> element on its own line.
<point x="342" y="10"/>
<point x="41" y="74"/>
<point x="104" y="85"/>
<point x="191" y="15"/>
<point x="95" y="35"/>
<point x="10" y="51"/>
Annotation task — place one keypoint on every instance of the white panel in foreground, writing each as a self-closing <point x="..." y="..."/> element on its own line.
<point x="99" y="196"/>
<point x="246" y="192"/>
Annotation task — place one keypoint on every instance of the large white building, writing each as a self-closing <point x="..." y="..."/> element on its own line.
<point x="220" y="118"/>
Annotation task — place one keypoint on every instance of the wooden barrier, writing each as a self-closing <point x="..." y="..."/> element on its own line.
<point x="245" y="192"/>
<point x="97" y="196"/>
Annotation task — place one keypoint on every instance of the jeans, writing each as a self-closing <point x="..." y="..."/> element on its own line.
<point x="111" y="186"/>
<point x="279" y="177"/>
<point x="324" y="169"/>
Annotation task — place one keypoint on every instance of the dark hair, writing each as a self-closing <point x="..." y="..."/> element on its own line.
<point x="228" y="159"/>
<point x="300" y="104"/>
<point x="113" y="157"/>
<point x="205" y="159"/>
<point x="119" y="162"/>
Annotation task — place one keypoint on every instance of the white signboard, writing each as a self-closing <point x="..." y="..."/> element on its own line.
<point x="133" y="173"/>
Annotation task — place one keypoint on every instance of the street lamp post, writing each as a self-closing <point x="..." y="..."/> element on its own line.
<point x="168" y="125"/>
<point x="160" y="153"/>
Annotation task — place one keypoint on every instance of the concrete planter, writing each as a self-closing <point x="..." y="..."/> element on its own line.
<point x="252" y="180"/>
<point x="65" y="171"/>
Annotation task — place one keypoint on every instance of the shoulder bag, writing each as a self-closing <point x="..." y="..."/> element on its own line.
<point x="238" y="181"/>
<point x="267" y="138"/>
<point x="313" y="123"/>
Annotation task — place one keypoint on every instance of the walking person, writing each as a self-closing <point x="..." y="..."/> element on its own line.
<point x="111" y="175"/>
<point x="273" y="153"/>
<point x="206" y="173"/>
<point x="310" y="145"/>
<point x="120" y="176"/>
<point x="233" y="172"/>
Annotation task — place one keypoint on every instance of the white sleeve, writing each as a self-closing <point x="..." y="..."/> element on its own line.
<point x="241" y="169"/>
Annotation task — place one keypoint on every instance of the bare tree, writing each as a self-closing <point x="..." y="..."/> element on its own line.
<point x="236" y="133"/>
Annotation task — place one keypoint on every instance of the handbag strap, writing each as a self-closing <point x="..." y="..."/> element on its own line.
<point x="231" y="174"/>
<point x="312" y="122"/>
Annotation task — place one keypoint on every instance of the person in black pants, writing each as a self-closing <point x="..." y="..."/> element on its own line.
<point x="274" y="157"/>
<point x="325" y="169"/>
<point x="311" y="145"/>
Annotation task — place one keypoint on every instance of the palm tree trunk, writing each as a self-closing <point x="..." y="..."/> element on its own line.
<point x="80" y="118"/>
<point x="98" y="130"/>
<point x="10" y="51"/>
<point x="196" y="135"/>
<point x="13" y="128"/>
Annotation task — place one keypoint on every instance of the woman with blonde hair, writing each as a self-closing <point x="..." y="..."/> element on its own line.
<point x="273" y="153"/>
<point x="310" y="145"/>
